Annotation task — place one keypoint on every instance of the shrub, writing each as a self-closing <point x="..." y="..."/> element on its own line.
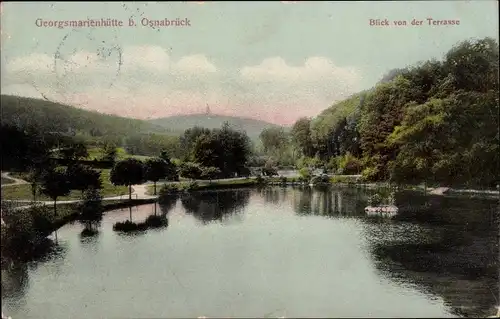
<point x="191" y="186"/>
<point x="283" y="180"/>
<point x="349" y="165"/>
<point x="375" y="200"/>
<point x="305" y="173"/>
<point x="323" y="179"/>
<point x="168" y="189"/>
<point x="260" y="180"/>
<point x="128" y="226"/>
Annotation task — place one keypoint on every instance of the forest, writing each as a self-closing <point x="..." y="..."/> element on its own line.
<point x="435" y="122"/>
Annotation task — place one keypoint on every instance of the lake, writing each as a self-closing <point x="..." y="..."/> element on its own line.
<point x="271" y="252"/>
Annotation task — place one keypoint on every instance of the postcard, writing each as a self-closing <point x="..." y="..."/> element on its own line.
<point x="203" y="159"/>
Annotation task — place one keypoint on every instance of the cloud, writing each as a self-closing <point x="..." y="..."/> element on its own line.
<point x="147" y="82"/>
<point x="35" y="62"/>
<point x="315" y="69"/>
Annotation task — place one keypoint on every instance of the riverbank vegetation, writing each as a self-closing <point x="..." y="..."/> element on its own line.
<point x="435" y="122"/>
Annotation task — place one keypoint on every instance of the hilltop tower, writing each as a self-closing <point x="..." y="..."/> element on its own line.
<point x="207" y="111"/>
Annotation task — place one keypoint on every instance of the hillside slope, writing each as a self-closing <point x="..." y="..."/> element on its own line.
<point x="46" y="116"/>
<point x="181" y="122"/>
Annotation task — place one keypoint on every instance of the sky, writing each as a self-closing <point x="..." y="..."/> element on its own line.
<point x="273" y="61"/>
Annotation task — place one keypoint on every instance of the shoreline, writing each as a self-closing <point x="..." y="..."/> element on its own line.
<point x="180" y="188"/>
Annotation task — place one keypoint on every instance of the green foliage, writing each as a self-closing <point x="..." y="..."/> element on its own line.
<point x="224" y="148"/>
<point x="301" y="136"/>
<point x="434" y="122"/>
<point x="55" y="183"/>
<point x="383" y="196"/>
<point x="305" y="173"/>
<point x="74" y="152"/>
<point x="81" y="177"/>
<point x="344" y="180"/>
<point x="283" y="180"/>
<point x="157" y="168"/>
<point x="23" y="148"/>
<point x="129" y="226"/>
<point x="349" y="165"/>
<point x="260" y="180"/>
<point x="168" y="189"/>
<point x="109" y="152"/>
<point x="210" y="172"/>
<point x="320" y="180"/>
<point x="152" y="144"/>
<point x="91" y="209"/>
<point x="270" y="168"/>
<point x="274" y="140"/>
<point x="46" y="116"/>
<point x="191" y="186"/>
<point x="190" y="170"/>
<point x="24" y="230"/>
<point x="127" y="172"/>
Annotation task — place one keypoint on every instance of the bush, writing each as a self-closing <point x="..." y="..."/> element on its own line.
<point x="283" y="180"/>
<point x="323" y="179"/>
<point x="168" y="189"/>
<point x="305" y="173"/>
<point x="344" y="179"/>
<point x="128" y="226"/>
<point x="260" y="180"/>
<point x="152" y="221"/>
<point x="349" y="165"/>
<point x="375" y="200"/>
<point x="191" y="186"/>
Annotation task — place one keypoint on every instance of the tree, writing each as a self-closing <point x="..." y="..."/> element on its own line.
<point x="74" y="152"/>
<point x="270" y="168"/>
<point x="35" y="174"/>
<point x="207" y="151"/>
<point x="190" y="170"/>
<point x="274" y="140"/>
<point x="209" y="173"/>
<point x="301" y="136"/>
<point x="236" y="147"/>
<point x="154" y="170"/>
<point x="127" y="172"/>
<point x="189" y="137"/>
<point x="55" y="184"/>
<point x="109" y="152"/>
<point x="83" y="178"/>
<point x="91" y="209"/>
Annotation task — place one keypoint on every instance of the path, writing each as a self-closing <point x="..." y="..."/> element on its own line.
<point x="439" y="191"/>
<point x="17" y="181"/>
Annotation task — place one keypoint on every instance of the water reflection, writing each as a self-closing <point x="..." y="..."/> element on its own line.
<point x="443" y="246"/>
<point x="438" y="249"/>
<point x="274" y="195"/>
<point x="15" y="273"/>
<point x="468" y="213"/>
<point x="167" y="203"/>
<point x="329" y="202"/>
<point x="212" y="206"/>
<point x="449" y="263"/>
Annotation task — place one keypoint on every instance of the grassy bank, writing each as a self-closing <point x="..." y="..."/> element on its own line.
<point x="121" y="153"/>
<point x="23" y="191"/>
<point x="204" y="185"/>
<point x="69" y="212"/>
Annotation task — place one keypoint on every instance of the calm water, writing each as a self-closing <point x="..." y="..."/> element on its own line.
<point x="270" y="253"/>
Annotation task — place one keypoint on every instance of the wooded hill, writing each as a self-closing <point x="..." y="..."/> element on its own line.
<point x="435" y="122"/>
<point x="45" y="116"/>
